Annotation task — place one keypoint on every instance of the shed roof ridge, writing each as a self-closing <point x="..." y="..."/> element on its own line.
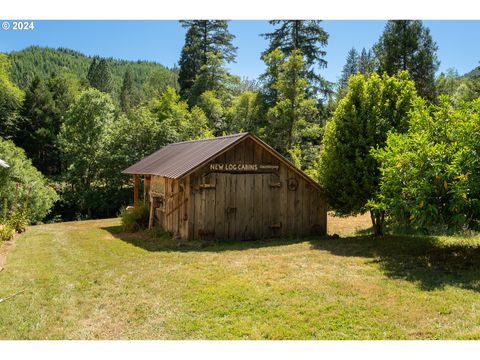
<point x="210" y="139"/>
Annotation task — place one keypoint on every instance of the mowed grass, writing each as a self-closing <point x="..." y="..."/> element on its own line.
<point x="86" y="280"/>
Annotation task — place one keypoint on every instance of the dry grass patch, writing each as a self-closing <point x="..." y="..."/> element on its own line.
<point x="348" y="225"/>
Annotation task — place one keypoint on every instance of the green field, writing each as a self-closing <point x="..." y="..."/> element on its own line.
<point x="86" y="280"/>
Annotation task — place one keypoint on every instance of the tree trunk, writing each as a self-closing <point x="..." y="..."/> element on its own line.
<point x="378" y="217"/>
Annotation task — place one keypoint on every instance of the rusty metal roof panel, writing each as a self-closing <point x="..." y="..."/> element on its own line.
<point x="175" y="160"/>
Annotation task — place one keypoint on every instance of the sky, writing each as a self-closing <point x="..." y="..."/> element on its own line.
<point x="161" y="41"/>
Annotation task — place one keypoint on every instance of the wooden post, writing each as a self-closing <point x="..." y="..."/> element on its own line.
<point x="146" y="191"/>
<point x="135" y="191"/>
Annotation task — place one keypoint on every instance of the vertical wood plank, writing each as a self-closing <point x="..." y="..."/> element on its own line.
<point x="221" y="226"/>
<point x="135" y="191"/>
<point x="239" y="190"/>
<point x="249" y="193"/>
<point x="259" y="229"/>
<point x="284" y="213"/>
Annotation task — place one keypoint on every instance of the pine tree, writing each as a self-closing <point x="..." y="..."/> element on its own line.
<point x="351" y="67"/>
<point x="203" y="37"/>
<point x="99" y="75"/>
<point x="408" y="45"/>
<point x="308" y="37"/>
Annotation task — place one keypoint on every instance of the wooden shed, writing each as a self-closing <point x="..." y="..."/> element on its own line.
<point x="229" y="187"/>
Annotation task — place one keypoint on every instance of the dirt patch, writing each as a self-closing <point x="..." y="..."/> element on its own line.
<point x="5" y="248"/>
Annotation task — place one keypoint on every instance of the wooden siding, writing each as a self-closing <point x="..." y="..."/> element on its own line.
<point x="247" y="206"/>
<point x="235" y="204"/>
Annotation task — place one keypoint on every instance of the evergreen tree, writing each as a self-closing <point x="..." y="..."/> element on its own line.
<point x="38" y="127"/>
<point x="351" y="67"/>
<point x="203" y="37"/>
<point x="127" y="93"/>
<point x="99" y="75"/>
<point x="292" y="119"/>
<point x="213" y="76"/>
<point x="92" y="70"/>
<point x="308" y="37"/>
<point x="366" y="62"/>
<point x="408" y="45"/>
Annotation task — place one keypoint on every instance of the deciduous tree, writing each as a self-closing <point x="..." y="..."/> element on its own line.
<point x="372" y="107"/>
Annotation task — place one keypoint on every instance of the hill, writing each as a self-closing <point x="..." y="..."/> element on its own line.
<point x="41" y="61"/>
<point x="474" y="74"/>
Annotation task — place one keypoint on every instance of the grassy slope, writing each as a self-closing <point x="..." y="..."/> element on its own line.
<point x="85" y="280"/>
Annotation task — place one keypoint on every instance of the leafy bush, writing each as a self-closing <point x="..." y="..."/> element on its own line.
<point x="23" y="181"/>
<point x="430" y="176"/>
<point x="134" y="219"/>
<point x="6" y="232"/>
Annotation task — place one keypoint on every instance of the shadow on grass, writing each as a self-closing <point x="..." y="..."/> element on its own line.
<point x="165" y="243"/>
<point x="428" y="261"/>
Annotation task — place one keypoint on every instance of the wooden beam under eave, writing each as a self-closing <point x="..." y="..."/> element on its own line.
<point x="135" y="191"/>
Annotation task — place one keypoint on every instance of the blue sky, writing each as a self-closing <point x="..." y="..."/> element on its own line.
<point x="162" y="40"/>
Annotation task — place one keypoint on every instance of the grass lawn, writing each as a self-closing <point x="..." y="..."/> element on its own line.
<point x="86" y="280"/>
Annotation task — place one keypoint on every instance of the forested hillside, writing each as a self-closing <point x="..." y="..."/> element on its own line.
<point x="474" y="74"/>
<point x="43" y="62"/>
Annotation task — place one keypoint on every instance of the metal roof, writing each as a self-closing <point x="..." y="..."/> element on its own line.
<point x="176" y="160"/>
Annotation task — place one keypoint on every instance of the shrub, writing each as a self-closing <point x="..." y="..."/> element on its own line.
<point x="23" y="181"/>
<point x="430" y="174"/>
<point x="6" y="232"/>
<point x="158" y="232"/>
<point x="134" y="219"/>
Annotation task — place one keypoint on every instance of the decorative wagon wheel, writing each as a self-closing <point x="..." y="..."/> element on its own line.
<point x="292" y="184"/>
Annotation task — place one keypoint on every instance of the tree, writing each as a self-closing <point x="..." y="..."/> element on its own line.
<point x="430" y="174"/>
<point x="172" y="112"/>
<point x="408" y="45"/>
<point x="23" y="182"/>
<point x="212" y="77"/>
<point x="351" y="67"/>
<point x="38" y="127"/>
<point x="203" y="37"/>
<point x="372" y="107"/>
<point x="459" y="89"/>
<point x="157" y="82"/>
<point x="213" y="108"/>
<point x="128" y="93"/>
<point x="126" y="140"/>
<point x="11" y="98"/>
<point x="292" y="119"/>
<point x="81" y="140"/>
<point x="366" y="62"/>
<point x="309" y="38"/>
<point x="244" y="113"/>
<point x="99" y="75"/>
<point x="41" y="116"/>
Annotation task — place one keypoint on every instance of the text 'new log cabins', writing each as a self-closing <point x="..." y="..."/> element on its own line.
<point x="229" y="187"/>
